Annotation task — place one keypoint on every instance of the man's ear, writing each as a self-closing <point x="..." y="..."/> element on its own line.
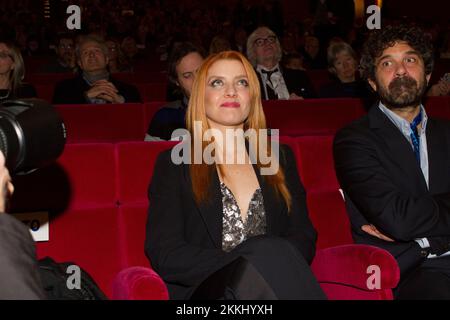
<point x="372" y="84"/>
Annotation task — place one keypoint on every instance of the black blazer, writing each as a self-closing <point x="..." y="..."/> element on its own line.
<point x="184" y="241"/>
<point x="71" y="91"/>
<point x="384" y="184"/>
<point x="297" y="82"/>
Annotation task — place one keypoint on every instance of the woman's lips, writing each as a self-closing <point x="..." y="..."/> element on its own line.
<point x="230" y="105"/>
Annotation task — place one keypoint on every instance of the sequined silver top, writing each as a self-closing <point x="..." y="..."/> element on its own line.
<point x="235" y="230"/>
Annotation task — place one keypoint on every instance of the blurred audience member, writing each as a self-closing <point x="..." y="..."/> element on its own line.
<point x="219" y="44"/>
<point x="65" y="56"/>
<point x="184" y="61"/>
<point x="264" y="52"/>
<point x="94" y="83"/>
<point x="293" y="61"/>
<point x="313" y="57"/>
<point x="117" y="60"/>
<point x="342" y="64"/>
<point x="441" y="88"/>
<point x="240" y="40"/>
<point x="12" y="72"/>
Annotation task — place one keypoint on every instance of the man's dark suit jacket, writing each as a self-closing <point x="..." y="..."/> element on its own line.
<point x="184" y="240"/>
<point x="72" y="91"/>
<point x="384" y="184"/>
<point x="19" y="272"/>
<point x="297" y="82"/>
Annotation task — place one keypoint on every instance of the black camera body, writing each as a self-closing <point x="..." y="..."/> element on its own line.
<point x="32" y="134"/>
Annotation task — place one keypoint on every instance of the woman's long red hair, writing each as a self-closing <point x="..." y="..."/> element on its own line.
<point x="201" y="174"/>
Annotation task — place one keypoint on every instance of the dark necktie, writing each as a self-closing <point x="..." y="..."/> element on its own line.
<point x="415" y="135"/>
<point x="269" y="74"/>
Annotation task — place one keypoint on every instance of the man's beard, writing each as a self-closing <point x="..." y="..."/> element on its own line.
<point x="402" y="92"/>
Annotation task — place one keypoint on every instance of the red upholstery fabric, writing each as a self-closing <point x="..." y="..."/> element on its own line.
<point x="47" y="78"/>
<point x="343" y="272"/>
<point x="150" y="109"/>
<point x="316" y="163"/>
<point x="438" y="107"/>
<point x="103" y="122"/>
<point x="318" y="78"/>
<point x="137" y="283"/>
<point x="152" y="91"/>
<point x="311" y="116"/>
<point x="132" y="223"/>
<point x="141" y="77"/>
<point x="135" y="163"/>
<point x="135" y="169"/>
<point x="45" y="91"/>
<point x="83" y="177"/>
<point x="88" y="238"/>
<point x="79" y="192"/>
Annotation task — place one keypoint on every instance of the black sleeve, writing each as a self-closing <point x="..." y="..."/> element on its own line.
<point x="175" y="260"/>
<point x="60" y="95"/>
<point x="301" y="232"/>
<point x="19" y="276"/>
<point x="26" y="91"/>
<point x="130" y="93"/>
<point x="364" y="179"/>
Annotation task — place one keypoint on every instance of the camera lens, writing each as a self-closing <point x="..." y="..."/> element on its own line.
<point x="32" y="134"/>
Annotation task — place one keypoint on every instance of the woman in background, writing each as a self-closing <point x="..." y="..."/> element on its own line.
<point x="12" y="72"/>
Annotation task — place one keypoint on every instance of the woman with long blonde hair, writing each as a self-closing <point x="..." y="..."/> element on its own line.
<point x="230" y="220"/>
<point x="12" y="72"/>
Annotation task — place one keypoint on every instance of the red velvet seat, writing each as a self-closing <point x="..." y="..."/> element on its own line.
<point x="318" y="78"/>
<point x="150" y="108"/>
<point x="325" y="203"/>
<point x="311" y="116"/>
<point x="135" y="163"/>
<point x="103" y="122"/>
<point x="79" y="192"/>
<point x="152" y="91"/>
<point x="438" y="107"/>
<point x="340" y="270"/>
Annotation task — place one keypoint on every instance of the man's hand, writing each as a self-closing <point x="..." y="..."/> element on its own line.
<point x="373" y="231"/>
<point x="6" y="186"/>
<point x="442" y="88"/>
<point x="293" y="96"/>
<point x="103" y="89"/>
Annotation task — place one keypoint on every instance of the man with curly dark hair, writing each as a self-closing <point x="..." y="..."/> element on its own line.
<point x="393" y="165"/>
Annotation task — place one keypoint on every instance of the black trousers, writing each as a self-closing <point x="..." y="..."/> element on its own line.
<point x="261" y="268"/>
<point x="430" y="281"/>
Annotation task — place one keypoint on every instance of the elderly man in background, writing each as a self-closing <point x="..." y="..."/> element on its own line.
<point x="264" y="52"/>
<point x="94" y="83"/>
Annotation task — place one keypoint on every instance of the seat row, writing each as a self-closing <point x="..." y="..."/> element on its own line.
<point x="96" y="198"/>
<point x="129" y="122"/>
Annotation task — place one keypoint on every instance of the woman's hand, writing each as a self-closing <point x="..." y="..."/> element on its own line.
<point x="6" y="185"/>
<point x="373" y="231"/>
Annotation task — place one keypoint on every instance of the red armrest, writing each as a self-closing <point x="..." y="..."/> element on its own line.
<point x="344" y="272"/>
<point x="139" y="283"/>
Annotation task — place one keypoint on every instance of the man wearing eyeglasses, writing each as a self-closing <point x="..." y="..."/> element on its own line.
<point x="65" y="59"/>
<point x="264" y="52"/>
<point x="94" y="84"/>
